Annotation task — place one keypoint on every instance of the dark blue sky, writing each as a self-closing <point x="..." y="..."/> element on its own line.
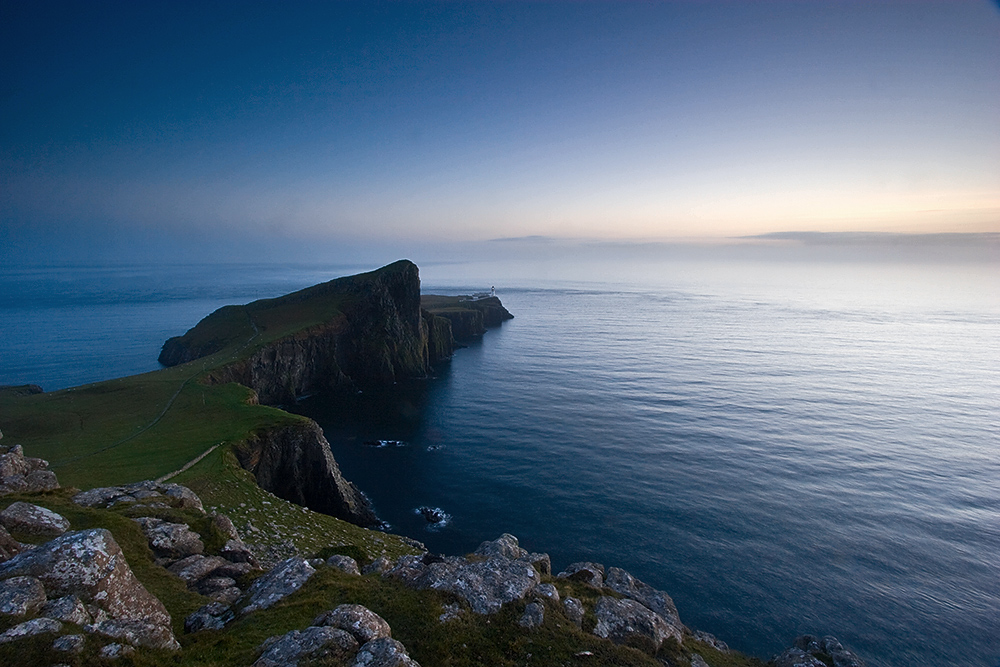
<point x="368" y="122"/>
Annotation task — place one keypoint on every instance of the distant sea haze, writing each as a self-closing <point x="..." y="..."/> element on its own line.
<point x="784" y="448"/>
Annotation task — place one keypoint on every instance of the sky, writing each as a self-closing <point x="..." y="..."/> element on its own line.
<point x="167" y="124"/>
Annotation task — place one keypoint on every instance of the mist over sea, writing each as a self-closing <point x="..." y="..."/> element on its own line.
<point x="784" y="447"/>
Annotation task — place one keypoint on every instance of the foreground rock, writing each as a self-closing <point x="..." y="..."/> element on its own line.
<point x="148" y="493"/>
<point x="33" y="520"/>
<point x="811" y="651"/>
<point x="20" y="596"/>
<point x="624" y="583"/>
<point x="350" y="634"/>
<point x="90" y="565"/>
<point x="284" y="579"/>
<point x="624" y="621"/>
<point x="9" y="547"/>
<point x="22" y="474"/>
<point x="505" y="574"/>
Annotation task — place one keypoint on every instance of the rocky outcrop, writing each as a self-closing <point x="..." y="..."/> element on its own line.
<point x="502" y="574"/>
<point x="150" y="494"/>
<point x="33" y="520"/>
<point x="623" y="621"/>
<point x="350" y="634"/>
<point x="284" y="579"/>
<point x="295" y="463"/>
<point x="24" y="474"/>
<point x="469" y="316"/>
<point x="90" y="565"/>
<point x="811" y="651"/>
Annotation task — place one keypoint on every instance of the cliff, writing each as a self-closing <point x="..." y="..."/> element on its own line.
<point x="294" y="462"/>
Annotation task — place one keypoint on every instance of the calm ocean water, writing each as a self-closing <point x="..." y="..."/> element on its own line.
<point x="784" y="448"/>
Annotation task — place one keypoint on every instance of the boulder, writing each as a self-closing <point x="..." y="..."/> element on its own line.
<point x="24" y="475"/>
<point x="698" y="661"/>
<point x="213" y="616"/>
<point x="196" y="567"/>
<point x="588" y="573"/>
<point x="344" y="564"/>
<point x="796" y="657"/>
<point x="623" y="620"/>
<point x="115" y="651"/>
<point x="313" y="643"/>
<point x="505" y="546"/>
<point x="236" y="552"/>
<point x="711" y="640"/>
<point x="40" y="481"/>
<point x="225" y="526"/>
<point x="12" y="462"/>
<point x="69" y="643"/>
<point x="384" y="652"/>
<point x="533" y="616"/>
<point x="148" y="493"/>
<point x="68" y="609"/>
<point x="380" y="565"/>
<point x="170" y="540"/>
<point x="817" y="649"/>
<point x="363" y="624"/>
<point x="624" y="583"/>
<point x="20" y="596"/>
<point x="137" y="633"/>
<point x="33" y="520"/>
<point x="35" y="626"/>
<point x="573" y="609"/>
<point x="90" y="564"/>
<point x="486" y="585"/>
<point x="546" y="592"/>
<point x="540" y="562"/>
<point x="9" y="547"/>
<point x="284" y="579"/>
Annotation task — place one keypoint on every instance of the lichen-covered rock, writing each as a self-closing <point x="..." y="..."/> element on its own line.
<point x="624" y="583"/>
<point x="115" y="651"/>
<point x="284" y="579"/>
<point x="137" y="633"/>
<point x="20" y="474"/>
<point x="343" y="563"/>
<point x="622" y="620"/>
<point x="196" y="567"/>
<point x="69" y="643"/>
<point x="485" y="585"/>
<point x="384" y="652"/>
<point x="149" y="493"/>
<point x="35" y="626"/>
<point x="9" y="547"/>
<point x="32" y="519"/>
<point x="588" y="573"/>
<point x="213" y="616"/>
<point x="506" y="546"/>
<point x="363" y="624"/>
<point x="170" y="540"/>
<point x="313" y="643"/>
<point x="89" y="564"/>
<point x="711" y="640"/>
<point x="236" y="552"/>
<point x="380" y="565"/>
<point x="573" y="609"/>
<point x="533" y="616"/>
<point x="796" y="657"/>
<point x="20" y="596"/>
<point x="546" y="592"/>
<point x="812" y="647"/>
<point x="68" y="609"/>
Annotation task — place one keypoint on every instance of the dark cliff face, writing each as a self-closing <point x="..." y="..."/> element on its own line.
<point x="469" y="318"/>
<point x="294" y="462"/>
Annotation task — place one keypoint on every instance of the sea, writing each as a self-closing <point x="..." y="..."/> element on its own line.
<point x="784" y="447"/>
